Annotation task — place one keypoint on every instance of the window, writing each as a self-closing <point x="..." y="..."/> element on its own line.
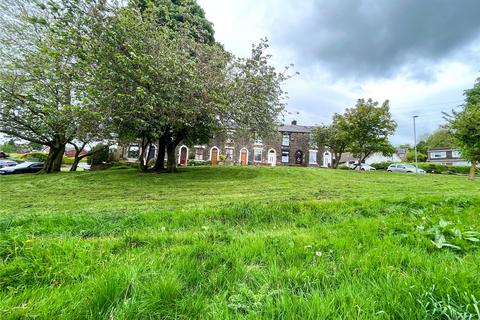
<point x="313" y="143"/>
<point x="313" y="157"/>
<point x="134" y="152"/>
<point x="257" y="155"/>
<point x="258" y="139"/>
<point x="439" y="154"/>
<point x="199" y="154"/>
<point x="456" y="154"/>
<point x="230" y="137"/>
<point x="285" y="156"/>
<point x="229" y="154"/>
<point x="285" y="139"/>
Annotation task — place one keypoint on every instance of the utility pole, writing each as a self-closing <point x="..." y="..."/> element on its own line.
<point x="415" y="142"/>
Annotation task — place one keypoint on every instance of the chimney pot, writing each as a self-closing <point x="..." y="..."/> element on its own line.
<point x="294" y="122"/>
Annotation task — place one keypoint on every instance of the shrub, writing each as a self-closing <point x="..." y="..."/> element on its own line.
<point x="100" y="155"/>
<point x="343" y="167"/>
<point x="197" y="163"/>
<point x="381" y="165"/>
<point x="35" y="156"/>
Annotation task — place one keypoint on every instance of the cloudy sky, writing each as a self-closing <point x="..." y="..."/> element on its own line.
<point x="420" y="55"/>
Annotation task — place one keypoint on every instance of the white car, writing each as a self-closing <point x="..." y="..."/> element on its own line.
<point x="405" y="168"/>
<point x="362" y="167"/>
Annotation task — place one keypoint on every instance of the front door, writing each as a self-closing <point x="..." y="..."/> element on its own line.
<point x="183" y="156"/>
<point x="272" y="158"/>
<point x="299" y="157"/>
<point x="244" y="157"/>
<point x="214" y="158"/>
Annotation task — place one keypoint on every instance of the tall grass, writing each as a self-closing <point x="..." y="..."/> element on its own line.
<point x="161" y="254"/>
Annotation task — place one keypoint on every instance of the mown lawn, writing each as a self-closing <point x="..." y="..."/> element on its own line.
<point x="231" y="242"/>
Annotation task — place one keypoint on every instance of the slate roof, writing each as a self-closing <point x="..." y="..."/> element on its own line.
<point x="295" y="128"/>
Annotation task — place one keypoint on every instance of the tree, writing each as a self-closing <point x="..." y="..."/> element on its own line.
<point x="181" y="15"/>
<point x="368" y="126"/>
<point x="410" y="156"/>
<point x="9" y="146"/>
<point x="334" y="137"/>
<point x="442" y="138"/>
<point x="43" y="71"/>
<point x="181" y="89"/>
<point x="465" y="128"/>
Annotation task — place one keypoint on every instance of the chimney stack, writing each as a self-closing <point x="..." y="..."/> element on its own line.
<point x="294" y="122"/>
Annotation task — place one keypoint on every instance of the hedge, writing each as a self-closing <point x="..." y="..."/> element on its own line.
<point x="429" y="167"/>
<point x="42" y="157"/>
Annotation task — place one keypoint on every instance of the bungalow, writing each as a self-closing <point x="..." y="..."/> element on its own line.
<point x="447" y="156"/>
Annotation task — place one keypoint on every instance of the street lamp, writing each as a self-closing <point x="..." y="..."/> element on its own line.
<point x="415" y="142"/>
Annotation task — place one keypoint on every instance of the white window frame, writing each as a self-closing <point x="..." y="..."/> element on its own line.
<point x="255" y="152"/>
<point x="285" y="157"/>
<point x="286" y="136"/>
<point x="231" y="155"/>
<point x="311" y="158"/>
<point x="258" y="139"/>
<point x="438" y="155"/>
<point x="456" y="154"/>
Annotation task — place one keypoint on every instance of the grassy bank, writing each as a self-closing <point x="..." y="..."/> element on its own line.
<point x="239" y="243"/>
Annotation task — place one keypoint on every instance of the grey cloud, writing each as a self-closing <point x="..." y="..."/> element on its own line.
<point x="378" y="38"/>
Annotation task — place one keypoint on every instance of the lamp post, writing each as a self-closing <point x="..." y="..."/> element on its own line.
<point x="415" y="142"/>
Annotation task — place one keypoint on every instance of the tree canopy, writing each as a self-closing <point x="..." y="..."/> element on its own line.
<point x="369" y="126"/>
<point x="465" y="127"/>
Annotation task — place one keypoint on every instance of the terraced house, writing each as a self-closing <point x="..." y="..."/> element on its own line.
<point x="291" y="145"/>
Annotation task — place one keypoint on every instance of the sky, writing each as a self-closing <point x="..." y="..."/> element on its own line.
<point x="420" y="55"/>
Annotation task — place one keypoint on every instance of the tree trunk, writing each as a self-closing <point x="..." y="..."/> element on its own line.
<point x="142" y="159"/>
<point x="160" y="162"/>
<point x="171" y="159"/>
<point x="336" y="161"/>
<point x="54" y="159"/>
<point x="473" y="170"/>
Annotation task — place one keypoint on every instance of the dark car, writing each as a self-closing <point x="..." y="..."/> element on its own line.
<point x="7" y="163"/>
<point x="26" y="167"/>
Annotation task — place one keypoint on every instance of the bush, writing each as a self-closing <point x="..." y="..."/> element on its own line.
<point x="197" y="163"/>
<point x="100" y="154"/>
<point x="35" y="156"/>
<point x="343" y="167"/>
<point x="381" y="165"/>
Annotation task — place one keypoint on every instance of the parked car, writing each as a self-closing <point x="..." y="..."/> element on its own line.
<point x="7" y="163"/>
<point x="26" y="167"/>
<point x="362" y="167"/>
<point x="405" y="168"/>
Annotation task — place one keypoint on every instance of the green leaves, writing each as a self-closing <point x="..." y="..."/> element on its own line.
<point x="446" y="234"/>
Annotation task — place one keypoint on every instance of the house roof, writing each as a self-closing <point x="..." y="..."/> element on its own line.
<point x="295" y="128"/>
<point x="441" y="149"/>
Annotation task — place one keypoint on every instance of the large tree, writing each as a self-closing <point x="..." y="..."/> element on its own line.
<point x="369" y="126"/>
<point x="465" y="127"/>
<point x="441" y="138"/>
<point x="43" y="71"/>
<point x="334" y="137"/>
<point x="164" y="86"/>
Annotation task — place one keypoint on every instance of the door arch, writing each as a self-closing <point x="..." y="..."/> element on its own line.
<point x="244" y="156"/>
<point x="299" y="157"/>
<point x="214" y="156"/>
<point x="183" y="156"/>
<point x="272" y="157"/>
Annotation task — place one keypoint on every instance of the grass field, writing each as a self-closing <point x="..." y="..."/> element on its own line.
<point x="231" y="242"/>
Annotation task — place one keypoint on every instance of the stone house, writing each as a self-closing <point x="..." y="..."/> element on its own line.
<point x="291" y="145"/>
